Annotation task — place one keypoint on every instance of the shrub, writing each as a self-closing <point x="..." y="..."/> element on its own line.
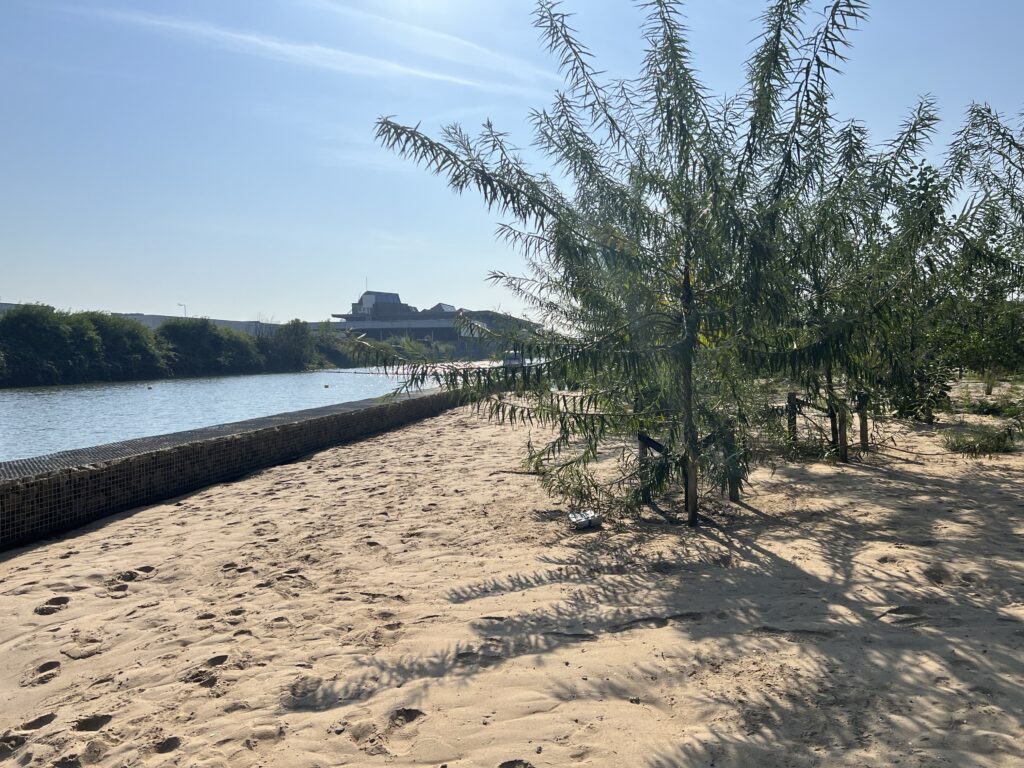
<point x="200" y="348"/>
<point x="45" y="346"/>
<point x="1003" y="406"/>
<point x="291" y="348"/>
<point x="130" y="349"/>
<point x="979" y="440"/>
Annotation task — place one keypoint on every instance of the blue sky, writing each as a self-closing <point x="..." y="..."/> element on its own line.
<point x="219" y="153"/>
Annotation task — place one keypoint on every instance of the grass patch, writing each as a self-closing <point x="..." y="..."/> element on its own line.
<point x="1003" y="406"/>
<point x="978" y="440"/>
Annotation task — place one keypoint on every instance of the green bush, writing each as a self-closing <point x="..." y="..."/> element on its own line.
<point x="130" y="349"/>
<point x="291" y="348"/>
<point x="42" y="345"/>
<point x="1003" y="406"/>
<point x="978" y="440"/>
<point x="197" y="347"/>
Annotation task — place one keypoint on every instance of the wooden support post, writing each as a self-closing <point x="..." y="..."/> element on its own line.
<point x="862" y="419"/>
<point x="692" y="517"/>
<point x="791" y="408"/>
<point x="732" y="462"/>
<point x="842" y="433"/>
<point x="830" y="399"/>
<point x="833" y="422"/>
<point x="643" y="456"/>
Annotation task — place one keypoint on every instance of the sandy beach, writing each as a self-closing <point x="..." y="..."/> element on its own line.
<point x="415" y="600"/>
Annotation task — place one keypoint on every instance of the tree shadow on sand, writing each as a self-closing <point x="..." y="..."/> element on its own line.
<point x="885" y="628"/>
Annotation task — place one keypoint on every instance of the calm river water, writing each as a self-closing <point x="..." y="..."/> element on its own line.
<point x="44" y="420"/>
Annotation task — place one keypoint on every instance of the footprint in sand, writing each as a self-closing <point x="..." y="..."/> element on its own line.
<point x="649" y="622"/>
<point x="904" y="616"/>
<point x="796" y="634"/>
<point x="42" y="674"/>
<point x="9" y="744"/>
<point x="116" y="590"/>
<point x="403" y="716"/>
<point x="367" y="738"/>
<point x="40" y="722"/>
<point x="169" y="744"/>
<point x="290" y="583"/>
<point x="280" y="622"/>
<point x="937" y="574"/>
<point x="310" y="694"/>
<point x="204" y="678"/>
<point x="54" y="604"/>
<point x="83" y="647"/>
<point x="490" y="653"/>
<point x="93" y="722"/>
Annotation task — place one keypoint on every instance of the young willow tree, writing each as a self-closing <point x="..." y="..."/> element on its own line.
<point x="679" y="248"/>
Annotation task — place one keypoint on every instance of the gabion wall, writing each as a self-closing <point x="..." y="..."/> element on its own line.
<point x="50" y="494"/>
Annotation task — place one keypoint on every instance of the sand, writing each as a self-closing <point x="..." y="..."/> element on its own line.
<point x="414" y="600"/>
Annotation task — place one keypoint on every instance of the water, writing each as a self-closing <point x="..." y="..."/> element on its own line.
<point x="43" y="420"/>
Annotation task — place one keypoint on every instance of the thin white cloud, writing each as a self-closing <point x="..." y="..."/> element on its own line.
<point x="390" y="241"/>
<point x="443" y="45"/>
<point x="371" y="157"/>
<point x="302" y="54"/>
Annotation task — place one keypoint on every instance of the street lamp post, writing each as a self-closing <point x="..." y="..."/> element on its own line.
<point x="184" y="309"/>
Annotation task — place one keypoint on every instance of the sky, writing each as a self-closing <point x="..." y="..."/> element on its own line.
<point x="219" y="154"/>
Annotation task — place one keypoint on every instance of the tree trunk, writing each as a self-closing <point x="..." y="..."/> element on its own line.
<point x="643" y="459"/>
<point x="791" y="410"/>
<point x="688" y="351"/>
<point x="830" y="399"/>
<point x="844" y="448"/>
<point x="862" y="419"/>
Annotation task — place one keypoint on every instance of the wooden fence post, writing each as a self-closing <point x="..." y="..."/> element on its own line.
<point x="862" y="418"/>
<point x="833" y="423"/>
<point x="842" y="433"/>
<point x="643" y="457"/>
<point x="791" y="408"/>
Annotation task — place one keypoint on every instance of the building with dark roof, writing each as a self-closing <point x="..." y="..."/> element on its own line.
<point x="380" y="315"/>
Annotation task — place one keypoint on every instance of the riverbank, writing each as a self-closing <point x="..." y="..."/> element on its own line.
<point x="414" y="600"/>
<point x="41" y="347"/>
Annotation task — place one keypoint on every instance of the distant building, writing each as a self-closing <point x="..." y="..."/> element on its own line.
<point x="381" y="315"/>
